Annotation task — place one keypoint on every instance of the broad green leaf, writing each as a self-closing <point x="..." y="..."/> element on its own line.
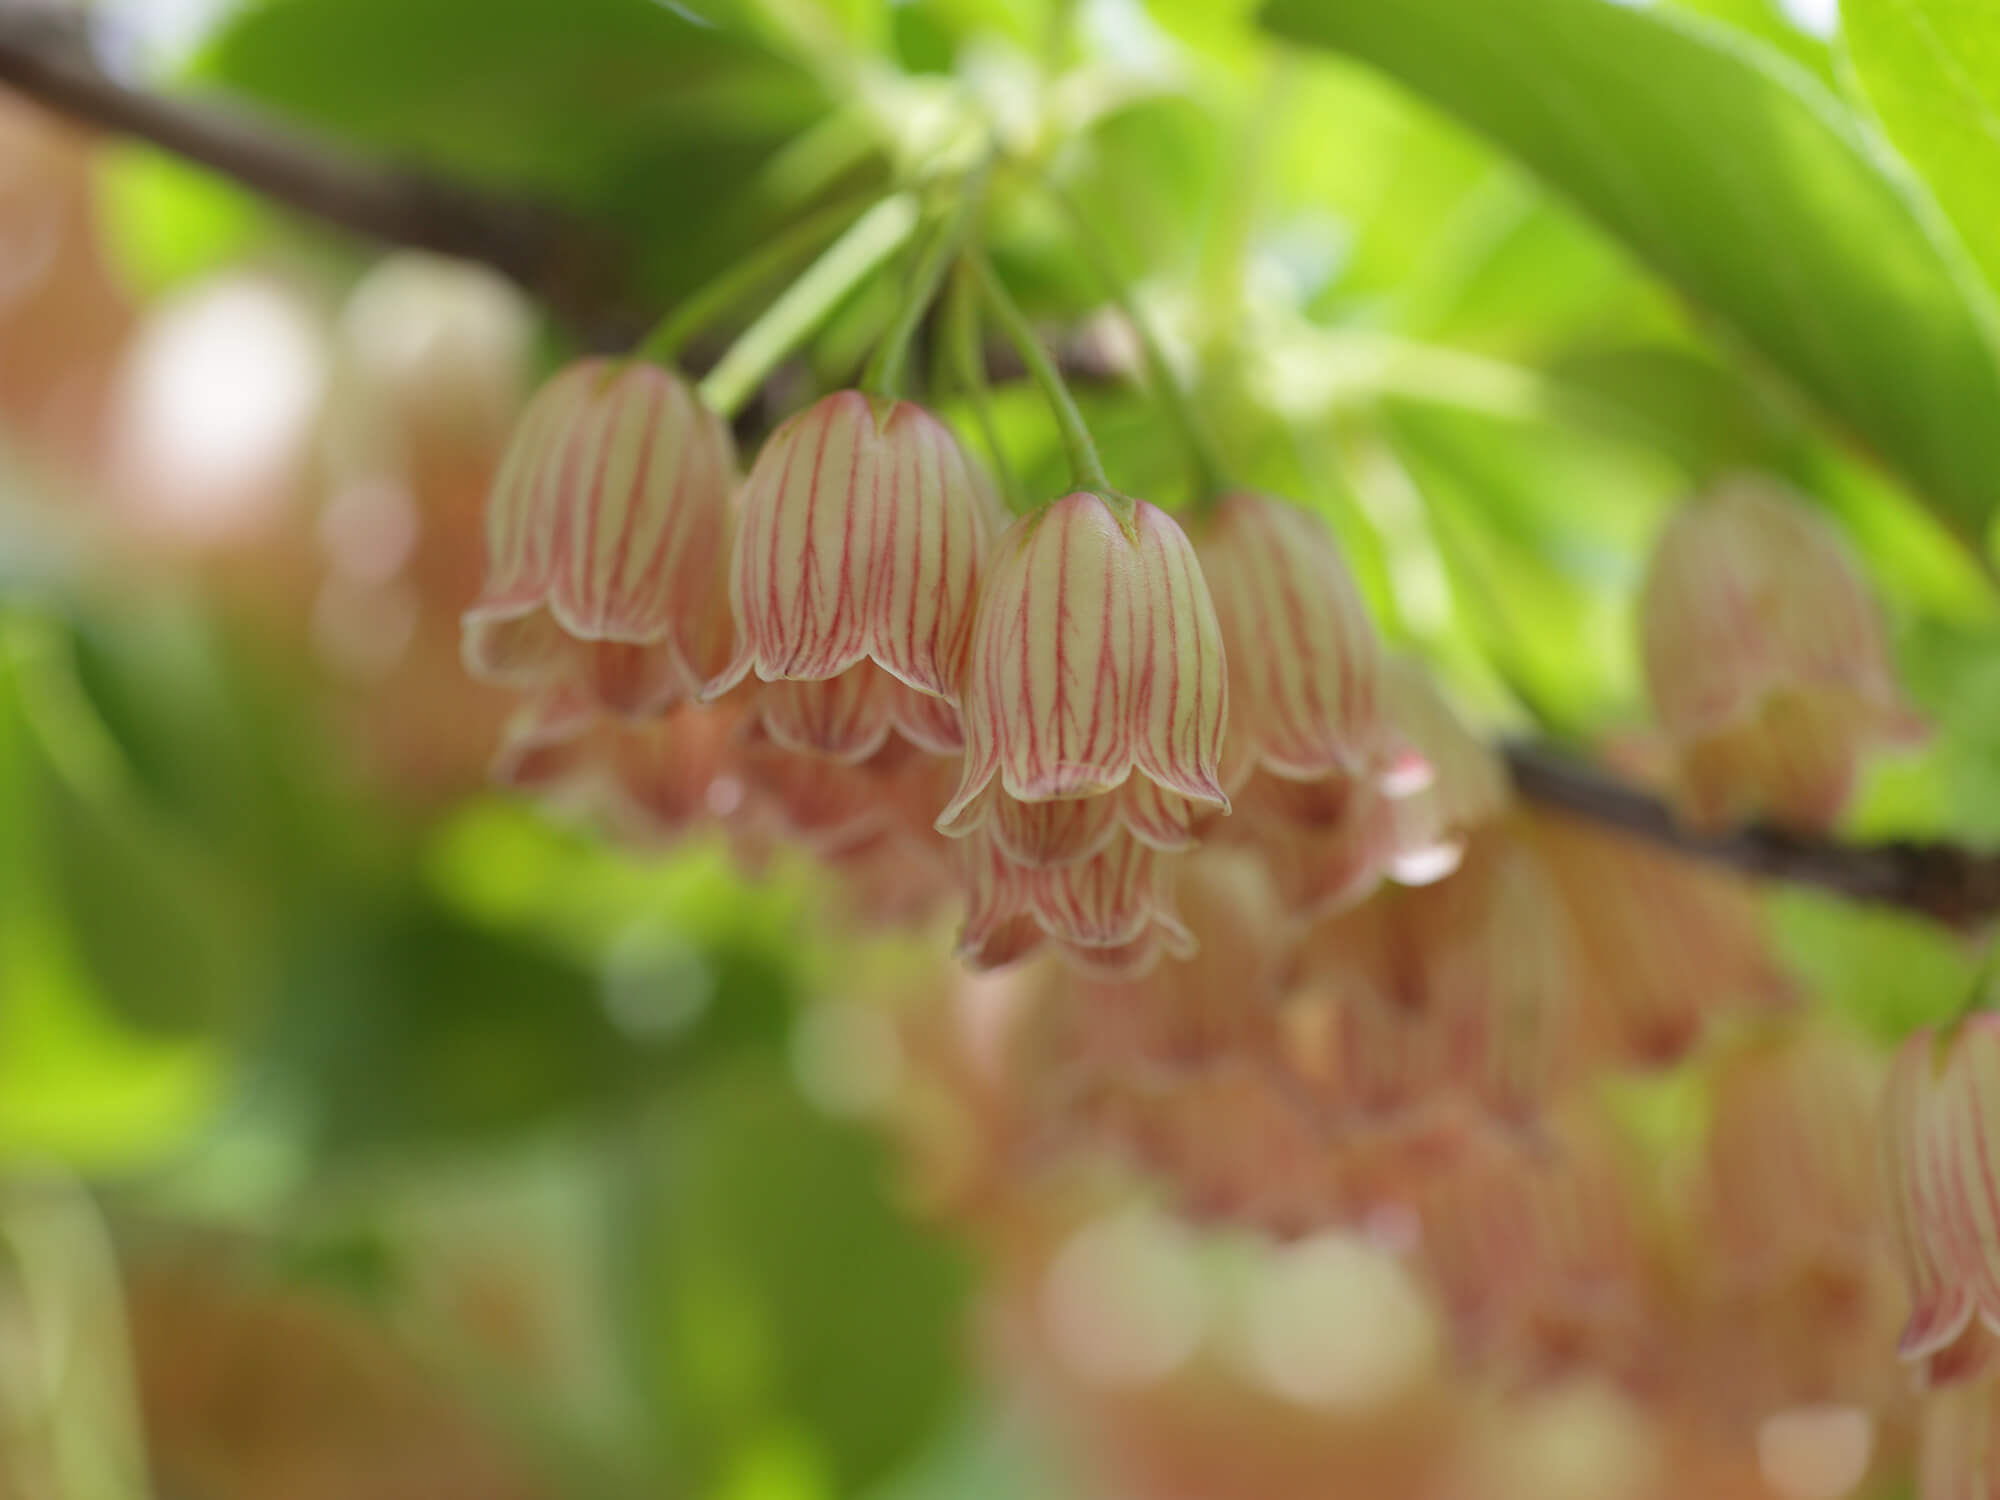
<point x="1931" y="70"/>
<point x="650" y="119"/>
<point x="1767" y="21"/>
<point x="1741" y="179"/>
<point x="780" y="1302"/>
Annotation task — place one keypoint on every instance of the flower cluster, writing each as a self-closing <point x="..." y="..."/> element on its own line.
<point x="1305" y="959"/>
<point x="853" y="650"/>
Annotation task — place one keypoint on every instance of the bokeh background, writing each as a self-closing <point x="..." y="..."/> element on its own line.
<point x="367" y="1133"/>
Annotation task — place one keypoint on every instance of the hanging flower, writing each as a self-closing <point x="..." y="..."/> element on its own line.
<point x="1663" y="944"/>
<point x="1111" y="915"/>
<point x="1766" y="659"/>
<point x="1939" y="1155"/>
<point x="649" y="782"/>
<point x="1095" y="654"/>
<point x="1426" y="1007"/>
<point x="865" y="530"/>
<point x="606" y="530"/>
<point x="1539" y="1256"/>
<point x="1796" y="1294"/>
<point x="1304" y="661"/>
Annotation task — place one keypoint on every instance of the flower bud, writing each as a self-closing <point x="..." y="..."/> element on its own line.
<point x="605" y="535"/>
<point x="1095" y="654"/>
<point x="865" y="529"/>
<point x="1765" y="655"/>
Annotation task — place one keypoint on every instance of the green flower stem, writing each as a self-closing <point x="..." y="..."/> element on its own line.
<point x="709" y="302"/>
<point x="1085" y="467"/>
<point x="1210" y="474"/>
<point x="872" y="239"/>
<point x="886" y="372"/>
<point x="967" y="351"/>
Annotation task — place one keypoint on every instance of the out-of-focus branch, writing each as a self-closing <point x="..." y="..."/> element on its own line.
<point x="50" y="53"/>
<point x="1945" y="882"/>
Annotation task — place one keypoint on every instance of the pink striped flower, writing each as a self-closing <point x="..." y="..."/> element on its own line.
<point x="649" y="782"/>
<point x="1942" y="1164"/>
<point x="1540" y="1258"/>
<point x="1766" y="659"/>
<point x="1095" y="655"/>
<point x="1111" y="915"/>
<point x="1428" y="786"/>
<point x="1421" y="1009"/>
<point x="606" y="534"/>
<point x="1663" y="946"/>
<point x="1798" y="1296"/>
<point x="1304" y="661"/>
<point x="1214" y="1011"/>
<point x="865" y="530"/>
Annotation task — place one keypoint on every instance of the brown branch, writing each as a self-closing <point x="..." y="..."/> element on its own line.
<point x="1956" y="886"/>
<point x="49" y="52"/>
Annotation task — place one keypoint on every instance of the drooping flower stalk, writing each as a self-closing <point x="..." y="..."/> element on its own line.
<point x="887" y="370"/>
<point x="872" y="239"/>
<point x="1086" y="469"/>
<point x="732" y="285"/>
<point x="1209" y="473"/>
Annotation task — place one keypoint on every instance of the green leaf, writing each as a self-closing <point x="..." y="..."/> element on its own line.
<point x="782" y="1298"/>
<point x="1741" y="179"/>
<point x="1931" y="70"/>
<point x="648" y="118"/>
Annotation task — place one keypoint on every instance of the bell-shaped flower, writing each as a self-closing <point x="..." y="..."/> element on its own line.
<point x="1096" y="658"/>
<point x="648" y="783"/>
<point x="1539" y="1255"/>
<point x="865" y="529"/>
<point x="1111" y="915"/>
<point x="1429" y="785"/>
<point x="1663" y="945"/>
<point x="1796" y="1296"/>
<point x="607" y="530"/>
<point x="850" y="717"/>
<point x="1423" y="1008"/>
<point x="831" y="808"/>
<point x="1227" y="1147"/>
<point x="1215" y="1010"/>
<point x="1304" y="660"/>
<point x="1446" y="782"/>
<point x="1941" y="1149"/>
<point x="1765" y="655"/>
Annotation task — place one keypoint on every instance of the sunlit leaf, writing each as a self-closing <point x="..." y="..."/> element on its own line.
<point x="1739" y="178"/>
<point x="1931" y="71"/>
